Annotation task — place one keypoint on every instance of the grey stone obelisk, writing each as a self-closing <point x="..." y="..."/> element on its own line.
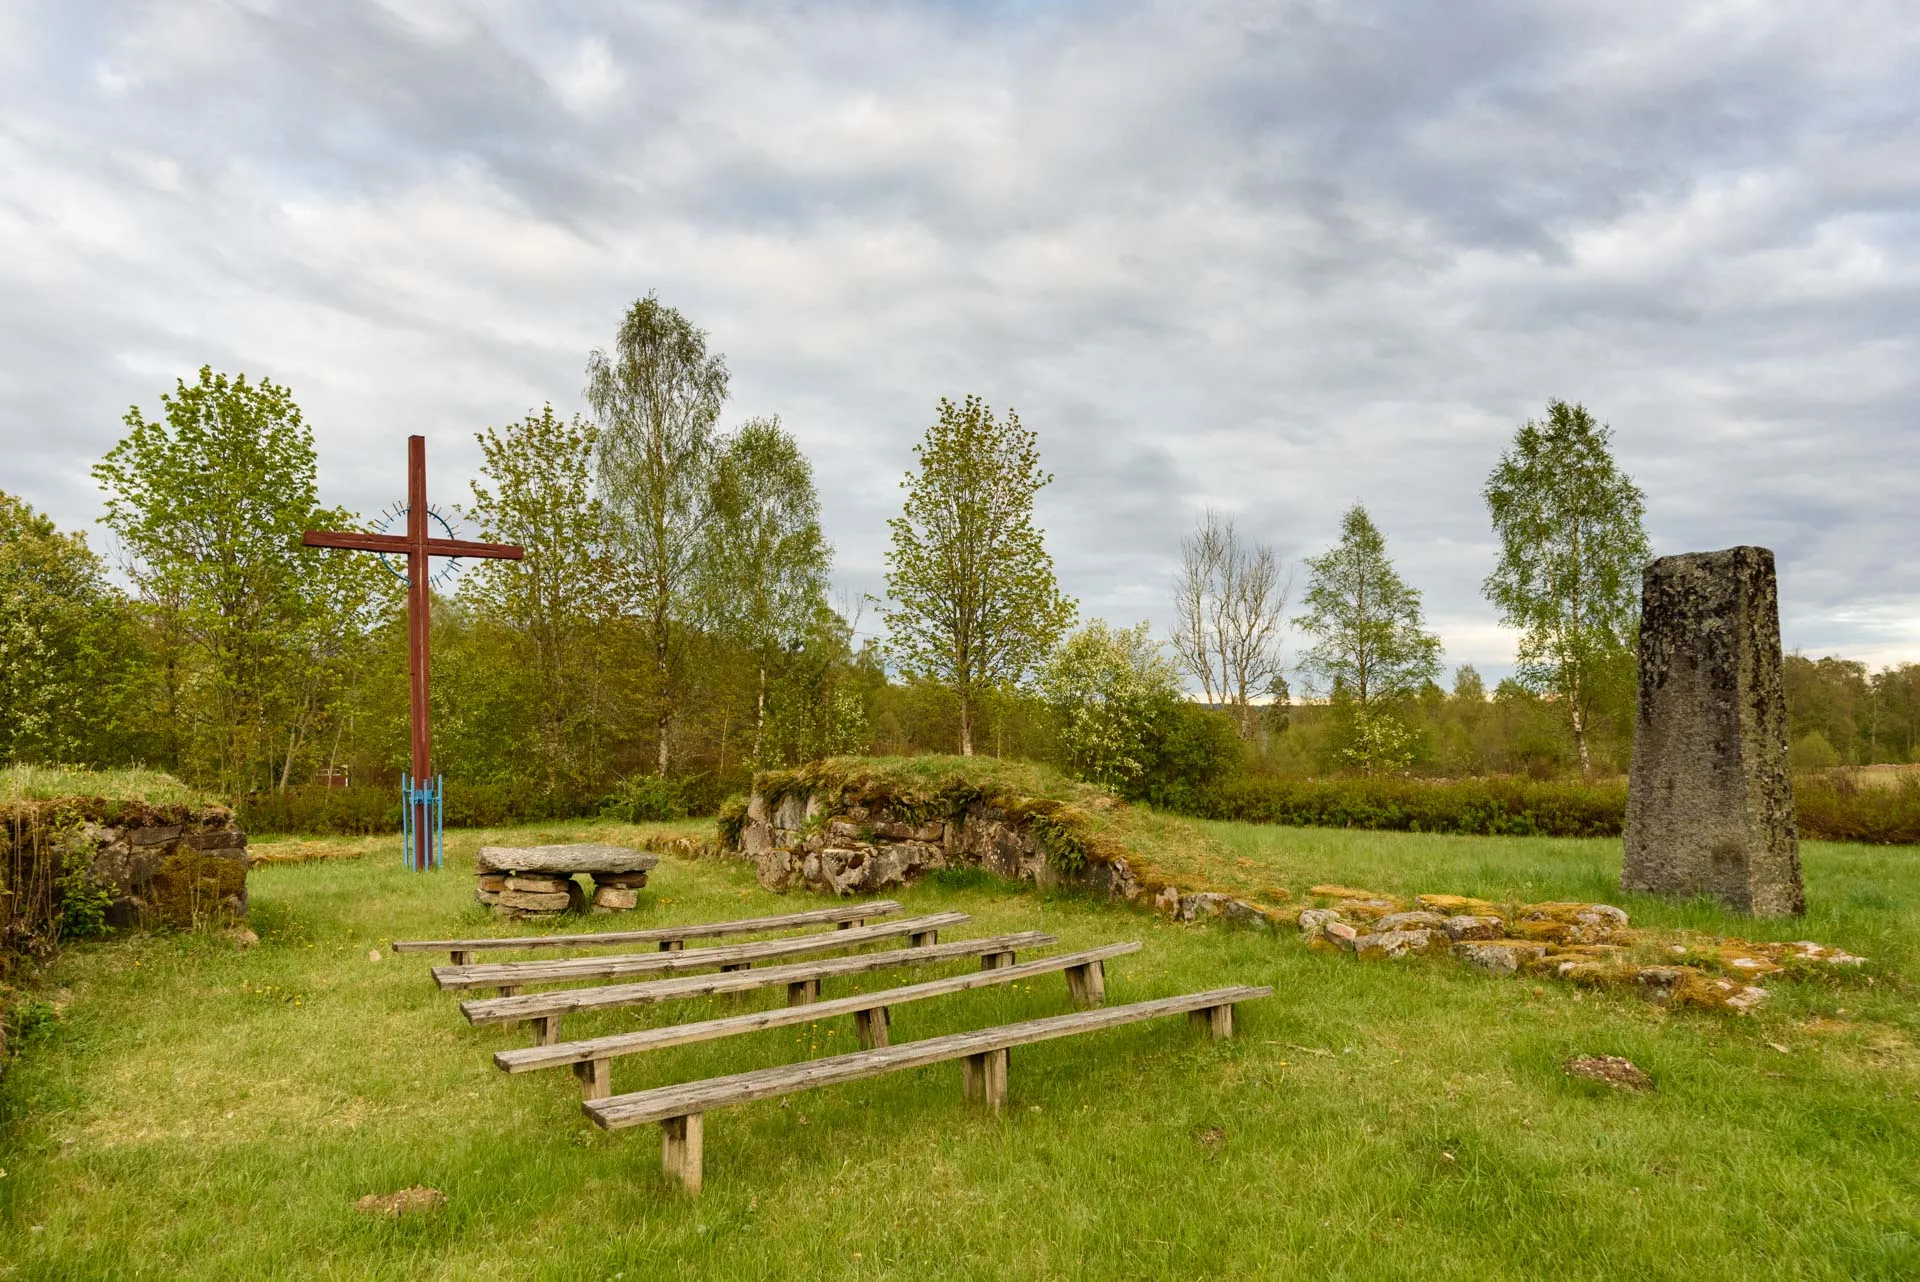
<point x="1710" y="802"/>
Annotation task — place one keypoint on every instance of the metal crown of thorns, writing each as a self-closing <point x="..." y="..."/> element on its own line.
<point x="396" y="515"/>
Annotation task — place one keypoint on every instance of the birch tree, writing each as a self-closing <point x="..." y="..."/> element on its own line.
<point x="1571" y="547"/>
<point x="974" y="601"/>
<point x="657" y="395"/>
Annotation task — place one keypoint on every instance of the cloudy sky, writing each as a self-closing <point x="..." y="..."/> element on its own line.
<point x="1272" y="258"/>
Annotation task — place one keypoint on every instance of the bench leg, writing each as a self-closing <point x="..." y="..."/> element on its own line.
<point x="1217" y="1020"/>
<point x="509" y="990"/>
<point x="595" y="1078"/>
<point x="736" y="966"/>
<point x="850" y="923"/>
<point x="1087" y="984"/>
<point x="803" y="992"/>
<point x="680" y="1149"/>
<point x="923" y="938"/>
<point x="460" y="957"/>
<point x="994" y="961"/>
<point x="870" y="1026"/>
<point x="983" y="1079"/>
<point x="673" y="945"/>
<point x="546" y="1030"/>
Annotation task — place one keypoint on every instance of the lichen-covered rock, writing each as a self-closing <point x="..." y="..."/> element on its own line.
<point x="1313" y="920"/>
<point x="1199" y="907"/>
<point x="1710" y="797"/>
<point x="1579" y="914"/>
<point x="1367" y="909"/>
<point x="1411" y="921"/>
<point x="1457" y="906"/>
<point x="1471" y="927"/>
<point x="1499" y="956"/>
<point x="1396" y="943"/>
<point x="1330" y="891"/>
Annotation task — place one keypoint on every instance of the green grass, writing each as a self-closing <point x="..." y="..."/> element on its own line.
<point x="49" y="783"/>
<point x="196" y="1110"/>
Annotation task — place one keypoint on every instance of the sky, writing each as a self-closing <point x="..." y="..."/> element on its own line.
<point x="1272" y="259"/>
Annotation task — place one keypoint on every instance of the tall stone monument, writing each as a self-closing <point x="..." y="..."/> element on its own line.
<point x="1710" y="806"/>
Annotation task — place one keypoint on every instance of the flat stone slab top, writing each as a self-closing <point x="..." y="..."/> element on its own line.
<point x="564" y="861"/>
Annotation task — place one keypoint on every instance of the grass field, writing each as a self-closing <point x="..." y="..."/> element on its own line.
<point x="185" y="1108"/>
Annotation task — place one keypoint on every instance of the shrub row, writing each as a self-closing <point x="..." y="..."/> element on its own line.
<point x="1829" y="809"/>
<point x="313" y="811"/>
<point x="1483" y="807"/>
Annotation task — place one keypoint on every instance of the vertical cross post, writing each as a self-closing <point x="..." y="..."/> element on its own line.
<point x="422" y="796"/>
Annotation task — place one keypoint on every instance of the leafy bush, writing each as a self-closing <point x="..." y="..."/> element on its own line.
<point x="645" y="799"/>
<point x="1193" y="751"/>
<point x="314" y="811"/>
<point x="1490" y="807"/>
<point x="1831" y="808"/>
<point x="83" y="903"/>
<point x="1835" y="808"/>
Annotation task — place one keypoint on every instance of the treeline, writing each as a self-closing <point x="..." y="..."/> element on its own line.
<point x="671" y="629"/>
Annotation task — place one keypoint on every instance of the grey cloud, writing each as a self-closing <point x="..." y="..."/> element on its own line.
<point x="1270" y="257"/>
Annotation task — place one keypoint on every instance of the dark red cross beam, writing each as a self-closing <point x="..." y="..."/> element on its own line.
<point x="416" y="546"/>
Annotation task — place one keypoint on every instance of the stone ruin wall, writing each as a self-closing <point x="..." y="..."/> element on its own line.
<point x="173" y="865"/>
<point x="816" y="842"/>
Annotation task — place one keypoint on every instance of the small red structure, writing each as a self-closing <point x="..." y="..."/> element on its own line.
<point x="422" y="796"/>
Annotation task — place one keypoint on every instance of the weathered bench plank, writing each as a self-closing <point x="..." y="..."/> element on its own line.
<point x="855" y="913"/>
<point x="617" y="965"/>
<point x="564" y="860"/>
<point x="680" y="1109"/>
<point x="566" y="1001"/>
<point x="600" y="1049"/>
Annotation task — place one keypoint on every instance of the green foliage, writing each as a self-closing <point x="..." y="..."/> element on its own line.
<point x="646" y="799"/>
<point x="1830" y="808"/>
<point x="83" y="903"/>
<point x="1191" y="750"/>
<point x="69" y="659"/>
<point x="1376" y="742"/>
<point x="1371" y="641"/>
<point x="1482" y="807"/>
<point x="548" y="622"/>
<point x="1572" y="544"/>
<point x="250" y="631"/>
<point x="1811" y="751"/>
<point x="1109" y="688"/>
<point x="1865" y="717"/>
<point x="1833" y="807"/>
<point x="975" y="603"/>
<point x="658" y="396"/>
<point x="313" y="810"/>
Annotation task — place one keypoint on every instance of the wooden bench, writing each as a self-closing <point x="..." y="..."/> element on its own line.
<point x="670" y="938"/>
<point x="589" y="1059"/>
<point x="510" y="977"/>
<point x="802" y="980"/>
<point x="983" y="1055"/>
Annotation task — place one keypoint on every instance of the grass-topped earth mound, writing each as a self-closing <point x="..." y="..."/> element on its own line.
<point x="856" y="825"/>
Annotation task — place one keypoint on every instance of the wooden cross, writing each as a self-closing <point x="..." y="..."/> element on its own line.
<point x="416" y="546"/>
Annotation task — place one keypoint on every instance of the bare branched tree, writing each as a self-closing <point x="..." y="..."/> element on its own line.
<point x="1227" y="604"/>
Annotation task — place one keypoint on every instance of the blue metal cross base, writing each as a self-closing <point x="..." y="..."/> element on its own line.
<point x="421" y="810"/>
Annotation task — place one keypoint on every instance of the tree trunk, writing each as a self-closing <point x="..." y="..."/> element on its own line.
<point x="760" y="717"/>
<point x="966" y="725"/>
<point x="1580" y="737"/>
